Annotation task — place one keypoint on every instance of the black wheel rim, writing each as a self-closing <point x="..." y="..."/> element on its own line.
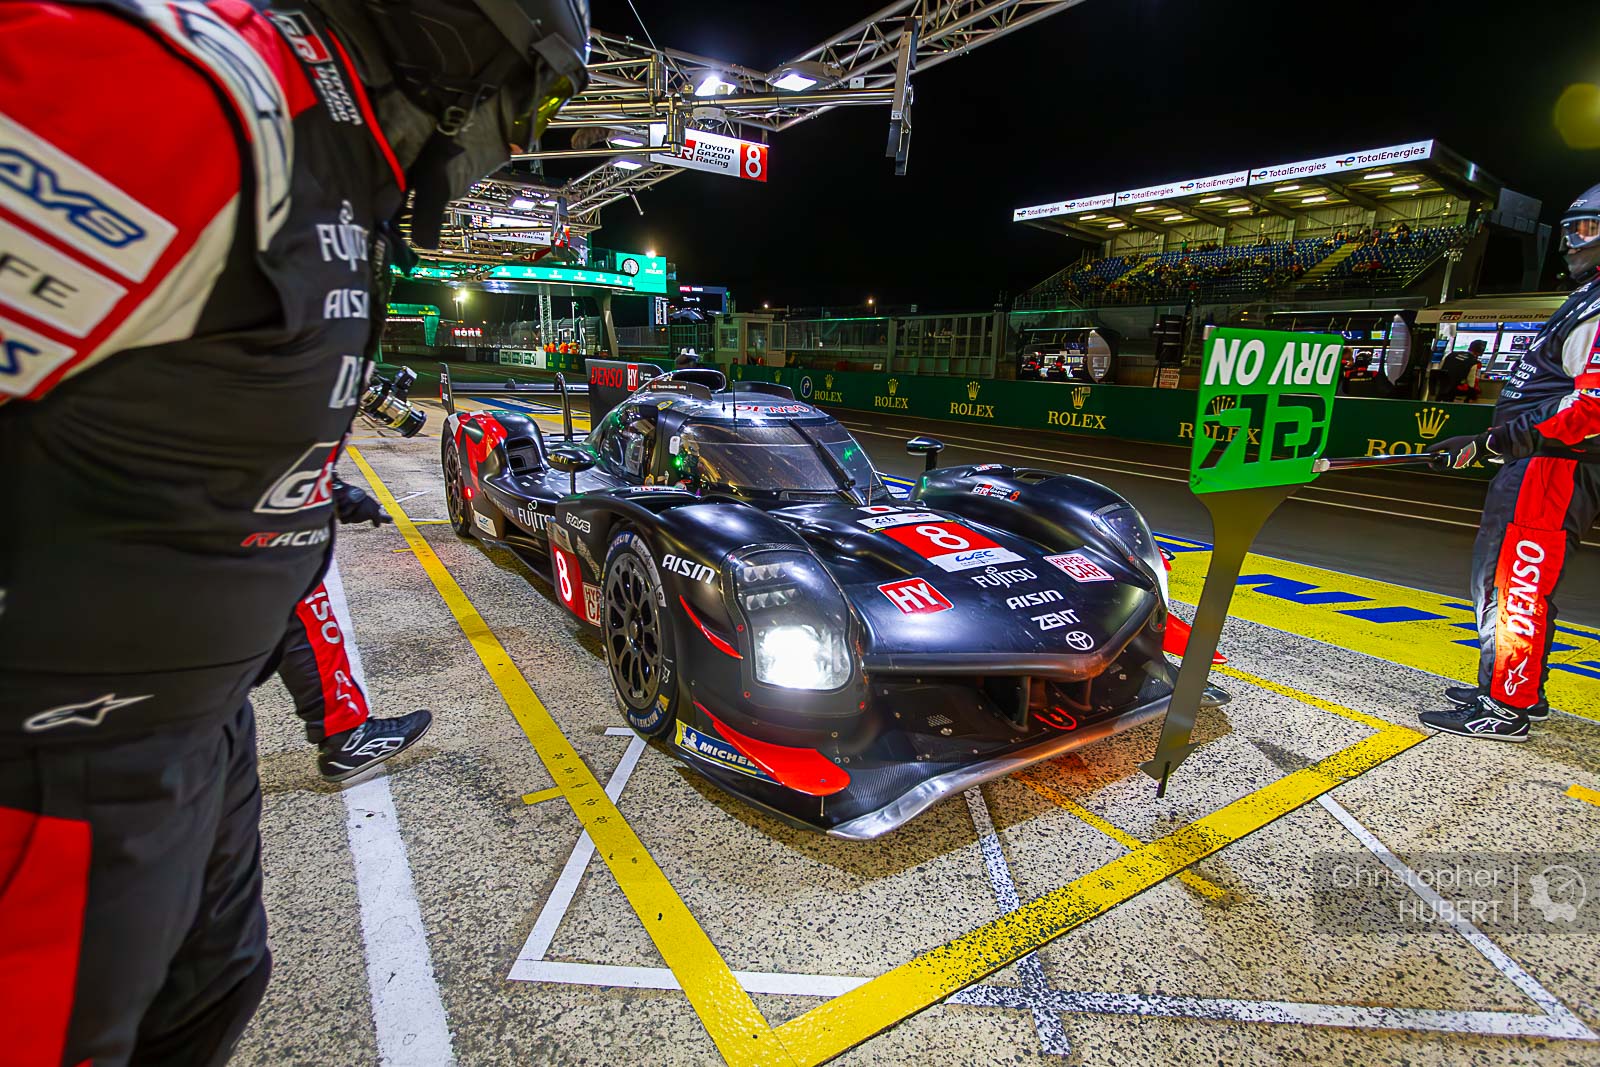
<point x="454" y="499"/>
<point x="633" y="632"/>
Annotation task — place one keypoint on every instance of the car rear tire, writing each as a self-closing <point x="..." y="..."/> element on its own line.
<point x="638" y="638"/>
<point x="456" y="504"/>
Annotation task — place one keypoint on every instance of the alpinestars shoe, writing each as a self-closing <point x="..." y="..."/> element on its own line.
<point x="1483" y="718"/>
<point x="1465" y="695"/>
<point x="347" y="754"/>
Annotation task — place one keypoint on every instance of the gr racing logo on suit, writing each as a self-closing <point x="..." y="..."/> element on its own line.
<point x="303" y="486"/>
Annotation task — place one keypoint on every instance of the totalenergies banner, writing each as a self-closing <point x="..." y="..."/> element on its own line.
<point x="1358" y="427"/>
<point x="1338" y="163"/>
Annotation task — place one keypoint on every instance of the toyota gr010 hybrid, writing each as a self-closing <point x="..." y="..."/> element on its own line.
<point x="790" y="631"/>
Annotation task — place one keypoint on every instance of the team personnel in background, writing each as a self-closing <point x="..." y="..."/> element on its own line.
<point x="314" y="665"/>
<point x="1546" y="431"/>
<point x="197" y="211"/>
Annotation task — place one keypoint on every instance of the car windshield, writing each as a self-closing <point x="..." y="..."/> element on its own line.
<point x="777" y="457"/>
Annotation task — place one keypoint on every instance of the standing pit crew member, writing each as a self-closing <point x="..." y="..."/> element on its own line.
<point x="1546" y="432"/>
<point x="197" y="208"/>
<point x="315" y="667"/>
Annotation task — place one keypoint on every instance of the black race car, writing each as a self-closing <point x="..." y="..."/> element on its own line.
<point x="839" y="657"/>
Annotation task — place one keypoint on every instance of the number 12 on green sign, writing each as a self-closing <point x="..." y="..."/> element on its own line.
<point x="1265" y="401"/>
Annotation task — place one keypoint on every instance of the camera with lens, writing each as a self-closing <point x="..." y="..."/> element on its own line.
<point x="388" y="401"/>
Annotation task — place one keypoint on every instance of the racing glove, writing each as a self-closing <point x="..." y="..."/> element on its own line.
<point x="352" y="504"/>
<point x="1459" y="453"/>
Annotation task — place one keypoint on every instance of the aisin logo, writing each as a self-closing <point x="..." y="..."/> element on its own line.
<point x="1079" y="396"/>
<point x="972" y="390"/>
<point x="1430" y="421"/>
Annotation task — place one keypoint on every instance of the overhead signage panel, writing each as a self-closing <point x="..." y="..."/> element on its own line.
<point x="1344" y="162"/>
<point x="714" y="153"/>
<point x="1064" y="207"/>
<point x="1415" y="152"/>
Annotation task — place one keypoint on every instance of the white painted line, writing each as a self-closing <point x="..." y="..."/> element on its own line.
<point x="594" y="974"/>
<point x="566" y="887"/>
<point x="1474" y="937"/>
<point x="409" y="496"/>
<point x="407" y="1012"/>
<point x="1046" y="1023"/>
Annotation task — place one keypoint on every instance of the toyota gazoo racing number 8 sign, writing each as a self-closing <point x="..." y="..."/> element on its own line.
<point x="951" y="546"/>
<point x="1265" y="402"/>
<point x="718" y="154"/>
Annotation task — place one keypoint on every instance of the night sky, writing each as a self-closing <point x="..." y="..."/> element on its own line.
<point x="1112" y="94"/>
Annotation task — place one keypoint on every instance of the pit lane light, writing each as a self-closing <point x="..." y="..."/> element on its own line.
<point x="521" y="203"/>
<point x="1411" y="188"/>
<point x="1240" y="210"/>
<point x="627" y="163"/>
<point x="1312" y="199"/>
<point x="798" y="77"/>
<point x="713" y="84"/>
<point x="796" y="618"/>
<point x="627" y="139"/>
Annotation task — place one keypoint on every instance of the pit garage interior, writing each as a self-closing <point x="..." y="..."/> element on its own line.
<point x="533" y="883"/>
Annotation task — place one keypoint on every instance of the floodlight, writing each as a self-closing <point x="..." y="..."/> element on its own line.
<point x="1312" y="199"/>
<point x="627" y="163"/>
<point x="627" y="139"/>
<point x="1240" y="210"/>
<point x="713" y="85"/>
<point x="1411" y="188"/>
<point x="521" y="203"/>
<point x="797" y="77"/>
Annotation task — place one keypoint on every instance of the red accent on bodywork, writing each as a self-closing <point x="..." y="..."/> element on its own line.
<point x="716" y="642"/>
<point x="1177" y="639"/>
<point x="477" y="451"/>
<point x="805" y="770"/>
<point x="46" y="860"/>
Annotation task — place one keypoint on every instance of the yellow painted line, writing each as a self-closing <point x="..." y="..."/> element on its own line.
<point x="1305" y="698"/>
<point x="542" y="795"/>
<point x="1126" y="840"/>
<point x="1425" y="644"/>
<point x="846" y="1021"/>
<point x="741" y="1034"/>
<point x="428" y="522"/>
<point x="1585" y="794"/>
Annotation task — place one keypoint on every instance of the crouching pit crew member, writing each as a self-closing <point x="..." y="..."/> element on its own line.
<point x="1546" y="433"/>
<point x="191" y="187"/>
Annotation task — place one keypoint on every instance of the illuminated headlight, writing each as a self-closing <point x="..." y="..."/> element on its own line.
<point x="1128" y="529"/>
<point x="796" y="617"/>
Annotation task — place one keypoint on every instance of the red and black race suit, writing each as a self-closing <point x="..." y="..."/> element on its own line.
<point x="1539" y="505"/>
<point x="315" y="668"/>
<point x="190" y="279"/>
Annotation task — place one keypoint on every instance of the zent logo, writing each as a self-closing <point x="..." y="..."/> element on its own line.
<point x="303" y="486"/>
<point x="1054" y="620"/>
<point x="915" y="596"/>
<point x="1080" y="568"/>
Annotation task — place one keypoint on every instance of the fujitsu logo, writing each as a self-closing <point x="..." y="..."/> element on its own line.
<point x="344" y="240"/>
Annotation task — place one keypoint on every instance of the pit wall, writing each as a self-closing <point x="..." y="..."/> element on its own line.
<point x="1361" y="427"/>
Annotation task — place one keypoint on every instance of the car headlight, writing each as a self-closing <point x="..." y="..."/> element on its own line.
<point x="796" y="617"/>
<point x="1127" y="528"/>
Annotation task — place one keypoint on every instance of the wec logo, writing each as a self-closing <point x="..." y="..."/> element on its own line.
<point x="39" y="183"/>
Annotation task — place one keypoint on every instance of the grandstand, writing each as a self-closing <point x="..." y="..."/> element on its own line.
<point x="1385" y="221"/>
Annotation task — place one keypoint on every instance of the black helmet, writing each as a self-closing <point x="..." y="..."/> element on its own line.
<point x="1580" y="235"/>
<point x="510" y="64"/>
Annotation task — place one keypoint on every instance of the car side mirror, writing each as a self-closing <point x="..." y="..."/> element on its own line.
<point x="926" y="447"/>
<point x="571" y="459"/>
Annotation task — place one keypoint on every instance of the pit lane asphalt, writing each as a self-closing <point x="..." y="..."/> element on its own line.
<point x="1235" y="964"/>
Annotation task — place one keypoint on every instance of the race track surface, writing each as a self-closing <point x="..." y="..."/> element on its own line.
<point x="531" y="884"/>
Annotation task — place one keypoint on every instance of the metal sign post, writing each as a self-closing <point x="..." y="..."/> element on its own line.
<point x="1265" y="402"/>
